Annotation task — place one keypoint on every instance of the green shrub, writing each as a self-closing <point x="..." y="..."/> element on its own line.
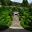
<point x="5" y="19"/>
<point x="26" y="19"/>
<point x="3" y="27"/>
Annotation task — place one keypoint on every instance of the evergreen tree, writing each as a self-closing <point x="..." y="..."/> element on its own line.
<point x="25" y="3"/>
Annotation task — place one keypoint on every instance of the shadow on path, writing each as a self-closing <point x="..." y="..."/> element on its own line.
<point x="15" y="30"/>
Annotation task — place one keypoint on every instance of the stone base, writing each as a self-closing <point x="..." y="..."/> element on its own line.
<point x="16" y="27"/>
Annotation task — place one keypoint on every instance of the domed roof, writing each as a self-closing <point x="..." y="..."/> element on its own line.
<point x="15" y="12"/>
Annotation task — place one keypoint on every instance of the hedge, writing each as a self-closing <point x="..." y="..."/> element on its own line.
<point x="5" y="18"/>
<point x="26" y="18"/>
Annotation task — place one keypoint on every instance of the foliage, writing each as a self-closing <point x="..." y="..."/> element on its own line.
<point x="25" y="3"/>
<point x="5" y="18"/>
<point x="26" y="18"/>
<point x="5" y="2"/>
<point x="3" y="27"/>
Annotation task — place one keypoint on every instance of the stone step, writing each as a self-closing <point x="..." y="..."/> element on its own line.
<point x="16" y="27"/>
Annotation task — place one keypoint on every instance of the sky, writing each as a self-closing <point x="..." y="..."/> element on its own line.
<point x="20" y="1"/>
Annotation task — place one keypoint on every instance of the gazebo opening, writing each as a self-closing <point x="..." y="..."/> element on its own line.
<point x="15" y="13"/>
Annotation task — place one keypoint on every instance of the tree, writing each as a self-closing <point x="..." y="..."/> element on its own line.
<point x="25" y="3"/>
<point x="31" y="4"/>
<point x="5" y="2"/>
